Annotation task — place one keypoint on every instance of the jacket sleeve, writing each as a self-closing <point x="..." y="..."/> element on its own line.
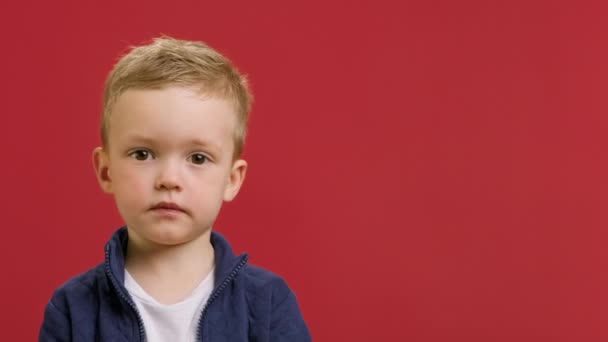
<point x="287" y="323"/>
<point x="55" y="326"/>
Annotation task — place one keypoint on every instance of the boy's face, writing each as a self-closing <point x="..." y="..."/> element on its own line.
<point x="169" y="162"/>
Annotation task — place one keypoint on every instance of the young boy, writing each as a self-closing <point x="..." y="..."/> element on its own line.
<point x="174" y="120"/>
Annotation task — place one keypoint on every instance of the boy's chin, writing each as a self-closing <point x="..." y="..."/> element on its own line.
<point x="167" y="235"/>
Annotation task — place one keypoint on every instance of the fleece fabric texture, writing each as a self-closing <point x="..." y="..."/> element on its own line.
<point x="247" y="304"/>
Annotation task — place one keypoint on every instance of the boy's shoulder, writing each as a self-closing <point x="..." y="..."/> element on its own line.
<point x="81" y="284"/>
<point x="259" y="276"/>
<point x="80" y="290"/>
<point x="260" y="282"/>
<point x="254" y="278"/>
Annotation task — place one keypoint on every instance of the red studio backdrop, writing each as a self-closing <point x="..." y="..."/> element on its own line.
<point x="419" y="170"/>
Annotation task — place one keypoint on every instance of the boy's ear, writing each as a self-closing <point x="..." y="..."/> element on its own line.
<point x="237" y="176"/>
<point x="102" y="169"/>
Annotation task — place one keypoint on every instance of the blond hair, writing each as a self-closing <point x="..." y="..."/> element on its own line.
<point x="167" y="61"/>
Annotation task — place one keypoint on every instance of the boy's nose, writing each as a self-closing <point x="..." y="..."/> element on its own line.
<point x="168" y="177"/>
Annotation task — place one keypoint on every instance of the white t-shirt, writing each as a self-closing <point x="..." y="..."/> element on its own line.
<point x="175" y="322"/>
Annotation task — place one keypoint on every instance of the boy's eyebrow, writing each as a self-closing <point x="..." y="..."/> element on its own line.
<point x="205" y="143"/>
<point x="139" y="138"/>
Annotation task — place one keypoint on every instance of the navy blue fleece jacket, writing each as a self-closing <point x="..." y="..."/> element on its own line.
<point x="247" y="303"/>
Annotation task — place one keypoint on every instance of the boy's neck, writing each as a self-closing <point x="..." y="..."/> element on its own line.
<point x="170" y="273"/>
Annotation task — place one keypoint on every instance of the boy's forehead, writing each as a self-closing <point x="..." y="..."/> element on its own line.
<point x="143" y="114"/>
<point x="170" y="100"/>
<point x="179" y="93"/>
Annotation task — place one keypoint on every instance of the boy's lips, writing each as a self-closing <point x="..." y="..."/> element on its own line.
<point x="169" y="206"/>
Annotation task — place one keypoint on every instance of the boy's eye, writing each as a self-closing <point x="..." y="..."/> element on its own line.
<point x="199" y="158"/>
<point x="140" y="154"/>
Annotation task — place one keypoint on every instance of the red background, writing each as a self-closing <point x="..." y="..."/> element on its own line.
<point x="419" y="170"/>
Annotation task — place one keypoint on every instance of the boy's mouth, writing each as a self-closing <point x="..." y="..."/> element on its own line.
<point x="167" y="206"/>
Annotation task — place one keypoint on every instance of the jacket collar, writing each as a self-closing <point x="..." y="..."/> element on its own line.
<point x="225" y="259"/>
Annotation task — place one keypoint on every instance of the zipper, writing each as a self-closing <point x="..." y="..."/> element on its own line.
<point x="216" y="294"/>
<point x="140" y="321"/>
